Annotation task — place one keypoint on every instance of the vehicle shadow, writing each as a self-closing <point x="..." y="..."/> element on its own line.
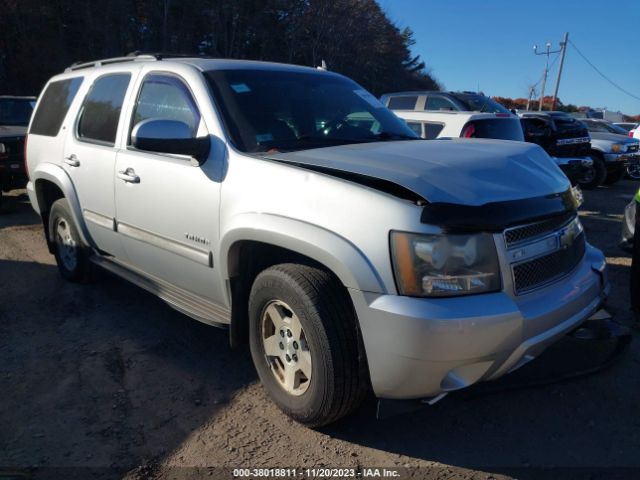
<point x="104" y="374"/>
<point x="16" y="210"/>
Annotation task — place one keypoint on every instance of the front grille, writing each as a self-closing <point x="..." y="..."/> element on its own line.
<point x="542" y="270"/>
<point x="518" y="234"/>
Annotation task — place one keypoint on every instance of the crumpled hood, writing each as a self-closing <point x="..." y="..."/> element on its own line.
<point x="12" y="131"/>
<point x="465" y="172"/>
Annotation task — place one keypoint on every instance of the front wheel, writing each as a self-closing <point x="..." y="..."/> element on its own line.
<point x="72" y="257"/>
<point x="594" y="175"/>
<point x="634" y="171"/>
<point x="305" y="343"/>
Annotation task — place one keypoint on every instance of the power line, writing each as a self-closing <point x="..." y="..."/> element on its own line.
<point x="602" y="74"/>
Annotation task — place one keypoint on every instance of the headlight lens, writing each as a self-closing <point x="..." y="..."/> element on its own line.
<point x="444" y="265"/>
<point x="616" y="147"/>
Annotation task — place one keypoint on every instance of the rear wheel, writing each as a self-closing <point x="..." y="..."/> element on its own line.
<point x="305" y="344"/>
<point x="594" y="175"/>
<point x="72" y="257"/>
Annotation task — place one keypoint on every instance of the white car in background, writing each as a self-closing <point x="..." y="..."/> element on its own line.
<point x="630" y="127"/>
<point x="453" y="124"/>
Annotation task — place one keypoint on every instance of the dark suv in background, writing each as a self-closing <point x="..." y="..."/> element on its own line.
<point x="15" y="113"/>
<point x="566" y="140"/>
<point x="442" y="101"/>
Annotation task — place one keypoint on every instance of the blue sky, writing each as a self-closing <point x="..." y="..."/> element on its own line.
<point x="489" y="44"/>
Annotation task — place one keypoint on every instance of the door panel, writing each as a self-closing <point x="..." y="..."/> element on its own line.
<point x="169" y="220"/>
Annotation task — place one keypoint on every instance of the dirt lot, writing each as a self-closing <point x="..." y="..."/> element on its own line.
<point x="107" y="380"/>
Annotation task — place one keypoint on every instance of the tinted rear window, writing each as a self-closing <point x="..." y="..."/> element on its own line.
<point x="403" y="103"/>
<point x="54" y="105"/>
<point x="100" y="111"/>
<point x="499" y="128"/>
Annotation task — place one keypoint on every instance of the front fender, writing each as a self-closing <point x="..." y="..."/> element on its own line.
<point x="338" y="254"/>
<point x="50" y="172"/>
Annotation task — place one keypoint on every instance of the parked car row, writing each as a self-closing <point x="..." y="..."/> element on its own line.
<point x="581" y="148"/>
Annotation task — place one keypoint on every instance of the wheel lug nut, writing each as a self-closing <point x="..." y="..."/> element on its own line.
<point x="288" y="358"/>
<point x="281" y="346"/>
<point x="289" y="334"/>
<point x="281" y="333"/>
<point x="295" y="357"/>
<point x="295" y="345"/>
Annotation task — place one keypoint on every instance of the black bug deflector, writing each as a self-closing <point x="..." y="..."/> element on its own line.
<point x="496" y="216"/>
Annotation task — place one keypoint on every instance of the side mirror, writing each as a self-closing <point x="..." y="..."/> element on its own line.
<point x="169" y="136"/>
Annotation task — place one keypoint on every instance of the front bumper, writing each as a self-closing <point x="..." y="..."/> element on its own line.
<point x="622" y="158"/>
<point x="420" y="348"/>
<point x="574" y="168"/>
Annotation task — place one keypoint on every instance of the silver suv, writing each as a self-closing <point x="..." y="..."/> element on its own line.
<point x="288" y="205"/>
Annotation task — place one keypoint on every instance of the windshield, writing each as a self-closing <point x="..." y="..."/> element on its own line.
<point x="266" y="111"/>
<point x="604" y="127"/>
<point x="479" y="103"/>
<point x="16" y="111"/>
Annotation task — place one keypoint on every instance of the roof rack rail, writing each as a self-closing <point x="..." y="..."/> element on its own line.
<point x="162" y="55"/>
<point x="131" y="57"/>
<point x="108" y="61"/>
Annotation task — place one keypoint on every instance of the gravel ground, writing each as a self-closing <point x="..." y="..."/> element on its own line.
<point x="106" y="380"/>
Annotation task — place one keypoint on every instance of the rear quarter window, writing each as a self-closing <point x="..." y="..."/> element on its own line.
<point x="54" y="105"/>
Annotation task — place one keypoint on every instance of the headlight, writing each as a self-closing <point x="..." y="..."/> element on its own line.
<point x="616" y="147"/>
<point x="444" y="265"/>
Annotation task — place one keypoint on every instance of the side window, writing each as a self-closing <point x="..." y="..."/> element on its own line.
<point x="416" y="127"/>
<point x="54" y="106"/>
<point x="165" y="97"/>
<point x="432" y="130"/>
<point x="437" y="102"/>
<point x="100" y="112"/>
<point x="404" y="102"/>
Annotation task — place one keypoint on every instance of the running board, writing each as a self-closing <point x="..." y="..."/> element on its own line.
<point x="185" y="302"/>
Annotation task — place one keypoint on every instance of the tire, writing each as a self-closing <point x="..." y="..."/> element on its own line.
<point x="615" y="175"/>
<point x="330" y="378"/>
<point x="634" y="171"/>
<point x="72" y="256"/>
<point x="597" y="174"/>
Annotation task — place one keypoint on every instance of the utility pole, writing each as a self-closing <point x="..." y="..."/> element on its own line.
<point x="563" y="48"/>
<point x="532" y="91"/>
<point x="546" y="69"/>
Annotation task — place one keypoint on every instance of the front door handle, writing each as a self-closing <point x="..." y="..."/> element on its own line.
<point x="72" y="161"/>
<point x="129" y="176"/>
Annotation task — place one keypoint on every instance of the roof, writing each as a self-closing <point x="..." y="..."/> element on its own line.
<point x="200" y="62"/>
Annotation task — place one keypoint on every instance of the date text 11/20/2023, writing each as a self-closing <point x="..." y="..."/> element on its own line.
<point x="320" y="472"/>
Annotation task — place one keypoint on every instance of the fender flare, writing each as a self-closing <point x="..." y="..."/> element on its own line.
<point x="58" y="176"/>
<point x="343" y="258"/>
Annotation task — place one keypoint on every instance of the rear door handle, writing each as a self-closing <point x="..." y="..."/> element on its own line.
<point x="129" y="176"/>
<point x="72" y="161"/>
